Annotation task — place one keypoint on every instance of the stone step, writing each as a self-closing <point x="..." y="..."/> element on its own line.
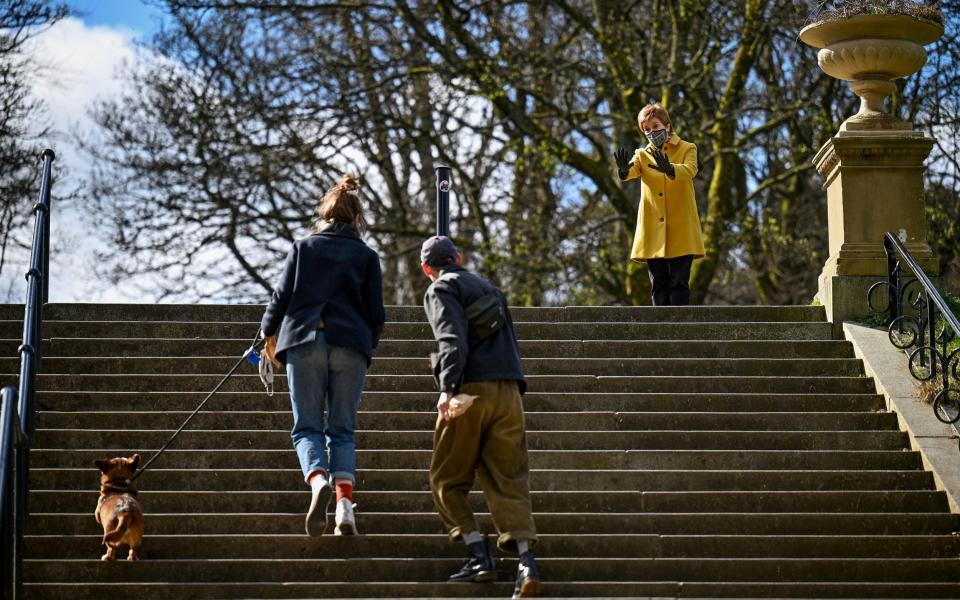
<point x="245" y="381"/>
<point x="501" y="589"/>
<point x="414" y="401"/>
<point x="806" y="367"/>
<point x="768" y="464"/>
<point x="883" y="501"/>
<point x="403" y="480"/>
<point x="544" y="330"/>
<point x="175" y="347"/>
<point x="537" y="440"/>
<point x="253" y="312"/>
<point x="535" y="421"/>
<point x="189" y="546"/>
<point x="864" y="460"/>
<point x="920" y="570"/>
<point x="878" y="524"/>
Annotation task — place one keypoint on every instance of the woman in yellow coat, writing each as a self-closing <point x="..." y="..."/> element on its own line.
<point x="668" y="233"/>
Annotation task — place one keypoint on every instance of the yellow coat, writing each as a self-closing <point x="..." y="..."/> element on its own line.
<point x="667" y="221"/>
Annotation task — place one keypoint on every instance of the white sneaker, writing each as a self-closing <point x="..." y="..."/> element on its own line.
<point x="346" y="524"/>
<point x="316" y="520"/>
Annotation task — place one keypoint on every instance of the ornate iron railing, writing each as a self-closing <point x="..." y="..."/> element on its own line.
<point x="18" y="412"/>
<point x="920" y="322"/>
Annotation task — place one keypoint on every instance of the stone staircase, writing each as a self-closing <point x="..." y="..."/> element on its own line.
<point x="707" y="451"/>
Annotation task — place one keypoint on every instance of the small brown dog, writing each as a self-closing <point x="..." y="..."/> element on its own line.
<point x="118" y="510"/>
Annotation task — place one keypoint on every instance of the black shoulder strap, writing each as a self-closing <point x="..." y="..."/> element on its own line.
<point x="453" y="277"/>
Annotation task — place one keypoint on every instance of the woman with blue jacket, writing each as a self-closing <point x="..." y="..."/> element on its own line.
<point x="324" y="320"/>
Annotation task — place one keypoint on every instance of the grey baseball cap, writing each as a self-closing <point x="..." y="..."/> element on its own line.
<point x="438" y="250"/>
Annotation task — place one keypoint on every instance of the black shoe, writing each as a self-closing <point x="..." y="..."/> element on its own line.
<point x="478" y="568"/>
<point x="528" y="578"/>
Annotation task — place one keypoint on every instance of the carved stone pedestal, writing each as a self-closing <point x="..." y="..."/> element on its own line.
<point x="874" y="166"/>
<point x="874" y="183"/>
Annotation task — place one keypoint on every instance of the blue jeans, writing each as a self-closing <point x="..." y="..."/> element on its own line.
<point x="325" y="378"/>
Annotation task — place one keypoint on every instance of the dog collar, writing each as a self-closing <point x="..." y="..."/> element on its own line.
<point x="118" y="485"/>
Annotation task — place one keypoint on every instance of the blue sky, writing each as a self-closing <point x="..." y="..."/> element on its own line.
<point x="79" y="60"/>
<point x="131" y="14"/>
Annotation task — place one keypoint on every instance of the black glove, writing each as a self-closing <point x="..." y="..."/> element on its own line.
<point x="623" y="162"/>
<point x="663" y="164"/>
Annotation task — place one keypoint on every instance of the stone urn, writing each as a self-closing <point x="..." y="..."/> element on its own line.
<point x="870" y="51"/>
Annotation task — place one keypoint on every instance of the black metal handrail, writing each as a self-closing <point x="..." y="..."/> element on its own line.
<point x="18" y="410"/>
<point x="927" y="333"/>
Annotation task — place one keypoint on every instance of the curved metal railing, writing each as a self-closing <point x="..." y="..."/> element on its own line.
<point x="18" y="410"/>
<point x="920" y="322"/>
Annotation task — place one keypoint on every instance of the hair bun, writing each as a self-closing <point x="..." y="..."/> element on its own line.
<point x="341" y="203"/>
<point x="349" y="183"/>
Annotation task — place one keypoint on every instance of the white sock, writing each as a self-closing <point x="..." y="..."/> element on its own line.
<point x="317" y="480"/>
<point x="522" y="546"/>
<point x="472" y="538"/>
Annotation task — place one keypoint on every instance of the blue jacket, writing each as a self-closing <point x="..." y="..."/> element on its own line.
<point x="331" y="275"/>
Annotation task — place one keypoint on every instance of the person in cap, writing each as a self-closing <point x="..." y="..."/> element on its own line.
<point x="478" y="360"/>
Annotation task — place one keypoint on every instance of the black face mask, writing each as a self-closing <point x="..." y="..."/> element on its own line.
<point x="657" y="137"/>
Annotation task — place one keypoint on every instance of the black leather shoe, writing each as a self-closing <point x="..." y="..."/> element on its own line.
<point x="478" y="568"/>
<point x="528" y="578"/>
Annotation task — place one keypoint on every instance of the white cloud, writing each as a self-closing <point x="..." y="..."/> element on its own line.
<point x="77" y="65"/>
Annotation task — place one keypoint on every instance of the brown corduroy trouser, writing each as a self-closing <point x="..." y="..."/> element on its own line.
<point x="488" y="440"/>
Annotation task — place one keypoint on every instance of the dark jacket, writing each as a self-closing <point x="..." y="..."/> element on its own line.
<point x="334" y="275"/>
<point x="460" y="358"/>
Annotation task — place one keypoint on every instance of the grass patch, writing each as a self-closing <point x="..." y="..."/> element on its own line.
<point x="928" y="390"/>
<point x="954" y="303"/>
<point x="875" y="320"/>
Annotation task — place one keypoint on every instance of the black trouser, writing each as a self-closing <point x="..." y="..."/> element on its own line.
<point x="670" y="280"/>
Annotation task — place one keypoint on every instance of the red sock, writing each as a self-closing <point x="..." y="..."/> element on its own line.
<point x="344" y="490"/>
